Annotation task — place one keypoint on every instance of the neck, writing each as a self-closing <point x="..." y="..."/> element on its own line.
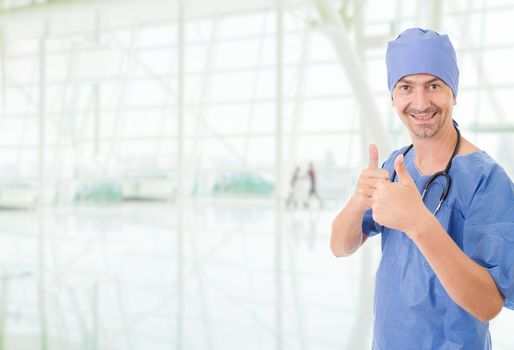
<point x="432" y="154"/>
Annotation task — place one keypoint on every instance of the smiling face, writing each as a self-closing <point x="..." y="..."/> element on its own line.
<point x="424" y="104"/>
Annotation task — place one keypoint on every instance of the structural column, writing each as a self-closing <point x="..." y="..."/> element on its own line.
<point x="279" y="183"/>
<point x="42" y="193"/>
<point x="179" y="201"/>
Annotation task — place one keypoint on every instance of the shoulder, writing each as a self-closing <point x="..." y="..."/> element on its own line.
<point x="477" y="166"/>
<point x="467" y="147"/>
<point x="479" y="179"/>
<point x="472" y="162"/>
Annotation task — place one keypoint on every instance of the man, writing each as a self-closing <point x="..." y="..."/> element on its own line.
<point x="313" y="192"/>
<point x="292" y="199"/>
<point x="447" y="264"/>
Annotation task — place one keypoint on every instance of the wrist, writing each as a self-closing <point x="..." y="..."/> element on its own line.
<point x="422" y="226"/>
<point x="356" y="205"/>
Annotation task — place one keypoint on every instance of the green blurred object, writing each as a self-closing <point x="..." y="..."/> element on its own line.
<point x="243" y="184"/>
<point x="103" y="191"/>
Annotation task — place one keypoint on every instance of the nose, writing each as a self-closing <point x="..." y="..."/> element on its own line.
<point x="420" y="100"/>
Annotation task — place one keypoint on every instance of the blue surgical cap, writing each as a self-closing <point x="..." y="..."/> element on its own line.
<point x="418" y="51"/>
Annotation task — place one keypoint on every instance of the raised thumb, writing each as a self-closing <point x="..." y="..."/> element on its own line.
<point x="373" y="156"/>
<point x="401" y="171"/>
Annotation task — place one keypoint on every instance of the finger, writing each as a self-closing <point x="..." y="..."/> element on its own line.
<point x="375" y="174"/>
<point x="401" y="171"/>
<point x="380" y="184"/>
<point x="373" y="156"/>
<point x="373" y="183"/>
<point x="366" y="192"/>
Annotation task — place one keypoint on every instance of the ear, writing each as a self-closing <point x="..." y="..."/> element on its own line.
<point x="454" y="101"/>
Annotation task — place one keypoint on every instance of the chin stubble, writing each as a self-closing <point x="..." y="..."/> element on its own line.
<point x="425" y="132"/>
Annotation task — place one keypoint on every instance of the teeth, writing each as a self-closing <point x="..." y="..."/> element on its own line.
<point x="422" y="117"/>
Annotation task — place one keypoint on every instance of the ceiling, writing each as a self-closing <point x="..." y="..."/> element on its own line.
<point x="65" y="16"/>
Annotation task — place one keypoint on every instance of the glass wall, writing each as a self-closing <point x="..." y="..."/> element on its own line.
<point x="103" y="253"/>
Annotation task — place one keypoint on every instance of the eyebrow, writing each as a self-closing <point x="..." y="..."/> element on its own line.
<point x="407" y="81"/>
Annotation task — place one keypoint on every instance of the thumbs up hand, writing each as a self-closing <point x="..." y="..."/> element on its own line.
<point x="398" y="205"/>
<point x="369" y="179"/>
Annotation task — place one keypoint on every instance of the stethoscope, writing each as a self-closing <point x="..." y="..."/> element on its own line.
<point x="432" y="178"/>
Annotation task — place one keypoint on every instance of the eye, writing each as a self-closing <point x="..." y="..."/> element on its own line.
<point x="434" y="86"/>
<point x="403" y="87"/>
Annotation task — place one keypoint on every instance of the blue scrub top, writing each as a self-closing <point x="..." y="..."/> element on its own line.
<point x="412" y="309"/>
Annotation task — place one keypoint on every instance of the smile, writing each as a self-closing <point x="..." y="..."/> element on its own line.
<point x="423" y="116"/>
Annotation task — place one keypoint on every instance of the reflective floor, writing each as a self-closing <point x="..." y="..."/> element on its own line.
<point x="229" y="274"/>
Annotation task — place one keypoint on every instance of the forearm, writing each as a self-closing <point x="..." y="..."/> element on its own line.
<point x="347" y="234"/>
<point x="467" y="283"/>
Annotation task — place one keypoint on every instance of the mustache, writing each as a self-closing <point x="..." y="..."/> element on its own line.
<point x="429" y="110"/>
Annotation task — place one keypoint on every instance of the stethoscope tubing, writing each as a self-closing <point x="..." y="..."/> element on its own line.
<point x="445" y="173"/>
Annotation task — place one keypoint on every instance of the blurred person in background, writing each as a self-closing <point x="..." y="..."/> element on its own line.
<point x="313" y="192"/>
<point x="292" y="198"/>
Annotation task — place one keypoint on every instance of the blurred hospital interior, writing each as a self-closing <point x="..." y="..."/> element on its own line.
<point x="170" y="169"/>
